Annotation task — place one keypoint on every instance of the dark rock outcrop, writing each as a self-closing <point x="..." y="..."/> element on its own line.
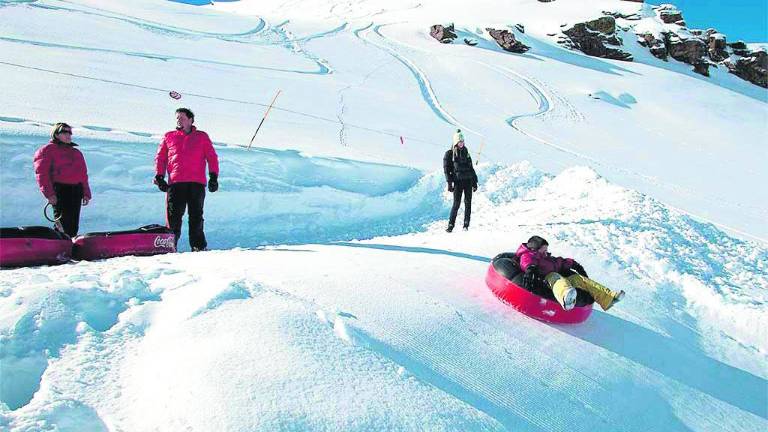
<point x="738" y="45"/>
<point x="655" y="45"/>
<point x="717" y="47"/>
<point x="591" y="38"/>
<point x="670" y="14"/>
<point x="701" y="68"/>
<point x="691" y="51"/>
<point x="507" y="41"/>
<point x="605" y="25"/>
<point x="753" y="68"/>
<point x="442" y="33"/>
<point x="629" y="17"/>
<point x="740" y="48"/>
<point x="704" y="48"/>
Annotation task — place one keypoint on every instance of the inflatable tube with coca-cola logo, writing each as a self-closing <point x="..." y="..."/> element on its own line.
<point x="147" y="240"/>
<point x="505" y="279"/>
<point x="33" y="245"/>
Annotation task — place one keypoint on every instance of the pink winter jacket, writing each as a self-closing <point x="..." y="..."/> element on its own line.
<point x="546" y="263"/>
<point x="60" y="163"/>
<point x="184" y="156"/>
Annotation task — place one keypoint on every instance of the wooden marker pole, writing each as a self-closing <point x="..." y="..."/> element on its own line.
<point x="263" y="118"/>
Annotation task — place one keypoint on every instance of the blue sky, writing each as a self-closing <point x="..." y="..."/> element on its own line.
<point x="738" y="19"/>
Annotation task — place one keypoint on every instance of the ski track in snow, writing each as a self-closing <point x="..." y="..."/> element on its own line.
<point x="427" y="93"/>
<point x="161" y="28"/>
<point x="342" y="105"/>
<point x="284" y="38"/>
<point x="364" y="14"/>
<point x="322" y="69"/>
<point x="295" y="45"/>
<point x="545" y="99"/>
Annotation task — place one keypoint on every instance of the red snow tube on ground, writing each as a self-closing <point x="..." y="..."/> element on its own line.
<point x="504" y="278"/>
<point x="33" y="245"/>
<point x="147" y="240"/>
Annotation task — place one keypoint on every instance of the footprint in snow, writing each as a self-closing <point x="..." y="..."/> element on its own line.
<point x="238" y="290"/>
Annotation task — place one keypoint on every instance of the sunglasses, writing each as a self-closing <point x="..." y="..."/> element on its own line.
<point x="65" y="131"/>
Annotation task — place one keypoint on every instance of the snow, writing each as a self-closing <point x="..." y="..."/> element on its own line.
<point x="333" y="299"/>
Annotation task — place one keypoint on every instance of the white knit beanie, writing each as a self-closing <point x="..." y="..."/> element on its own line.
<point x="458" y="136"/>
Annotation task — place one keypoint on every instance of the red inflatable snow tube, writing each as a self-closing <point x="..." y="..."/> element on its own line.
<point x="147" y="240"/>
<point x="504" y="278"/>
<point x="33" y="245"/>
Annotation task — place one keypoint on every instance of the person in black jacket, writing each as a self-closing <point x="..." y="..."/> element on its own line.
<point x="461" y="178"/>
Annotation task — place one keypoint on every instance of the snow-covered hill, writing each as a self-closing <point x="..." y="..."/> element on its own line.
<point x="333" y="299"/>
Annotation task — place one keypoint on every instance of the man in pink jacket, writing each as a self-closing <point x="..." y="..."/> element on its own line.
<point x="183" y="153"/>
<point x="63" y="178"/>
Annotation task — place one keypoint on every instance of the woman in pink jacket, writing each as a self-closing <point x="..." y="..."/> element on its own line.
<point x="63" y="178"/>
<point x="562" y="275"/>
<point x="183" y="154"/>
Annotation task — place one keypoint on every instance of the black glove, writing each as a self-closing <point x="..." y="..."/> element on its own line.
<point x="161" y="184"/>
<point x="474" y="188"/>
<point x="531" y="278"/>
<point x="579" y="269"/>
<point x="213" y="182"/>
<point x="450" y="186"/>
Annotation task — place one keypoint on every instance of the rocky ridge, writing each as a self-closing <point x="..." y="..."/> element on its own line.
<point x="661" y="29"/>
<point x="703" y="48"/>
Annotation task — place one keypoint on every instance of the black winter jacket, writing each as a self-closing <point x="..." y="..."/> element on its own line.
<point x="460" y="167"/>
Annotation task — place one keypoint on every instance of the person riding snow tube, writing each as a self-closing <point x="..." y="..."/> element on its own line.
<point x="562" y="275"/>
<point x="33" y="245"/>
<point x="505" y="279"/>
<point x="147" y="240"/>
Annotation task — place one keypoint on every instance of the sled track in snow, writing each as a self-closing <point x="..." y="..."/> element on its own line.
<point x="423" y="355"/>
<point x="427" y="93"/>
<point x="295" y="45"/>
<point x="152" y="25"/>
<point x="285" y="39"/>
<point x="537" y="94"/>
<point x="546" y="106"/>
<point x="427" y="357"/>
<point x="322" y="69"/>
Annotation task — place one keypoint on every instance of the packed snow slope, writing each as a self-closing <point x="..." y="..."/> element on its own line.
<point x="357" y="76"/>
<point x="333" y="299"/>
<point x="390" y="333"/>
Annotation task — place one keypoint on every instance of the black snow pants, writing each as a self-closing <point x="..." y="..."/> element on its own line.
<point x="183" y="195"/>
<point x="69" y="199"/>
<point x="461" y="187"/>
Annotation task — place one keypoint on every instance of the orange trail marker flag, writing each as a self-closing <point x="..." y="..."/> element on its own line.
<point x="264" y="118"/>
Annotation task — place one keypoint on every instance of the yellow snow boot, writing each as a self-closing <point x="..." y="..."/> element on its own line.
<point x="564" y="292"/>
<point x="603" y="295"/>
